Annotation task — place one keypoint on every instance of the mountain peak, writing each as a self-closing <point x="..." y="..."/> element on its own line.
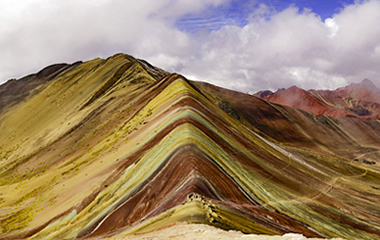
<point x="367" y="83"/>
<point x="356" y="99"/>
<point x="109" y="147"/>
<point x="262" y="94"/>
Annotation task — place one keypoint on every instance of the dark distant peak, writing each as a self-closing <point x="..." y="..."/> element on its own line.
<point x="263" y="94"/>
<point x="280" y="90"/>
<point x="368" y="83"/>
<point x="365" y="83"/>
<point x="365" y="90"/>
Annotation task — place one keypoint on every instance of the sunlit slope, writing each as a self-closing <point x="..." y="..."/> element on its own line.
<point x="114" y="147"/>
<point x="51" y="129"/>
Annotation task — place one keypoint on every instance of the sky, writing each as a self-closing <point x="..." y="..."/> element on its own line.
<point x="245" y="45"/>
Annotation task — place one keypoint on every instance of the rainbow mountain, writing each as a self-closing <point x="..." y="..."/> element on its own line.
<point x="116" y="146"/>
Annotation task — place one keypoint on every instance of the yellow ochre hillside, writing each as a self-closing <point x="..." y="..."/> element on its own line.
<point x="116" y="147"/>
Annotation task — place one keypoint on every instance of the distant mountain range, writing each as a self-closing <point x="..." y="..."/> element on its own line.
<point x="116" y="146"/>
<point x="361" y="100"/>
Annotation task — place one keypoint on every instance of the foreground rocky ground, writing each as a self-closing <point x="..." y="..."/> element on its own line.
<point x="202" y="231"/>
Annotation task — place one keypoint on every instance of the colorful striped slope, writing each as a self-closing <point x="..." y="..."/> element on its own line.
<point x="117" y="146"/>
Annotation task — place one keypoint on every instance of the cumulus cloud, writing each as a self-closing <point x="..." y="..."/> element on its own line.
<point x="35" y="33"/>
<point x="274" y="49"/>
<point x="293" y="47"/>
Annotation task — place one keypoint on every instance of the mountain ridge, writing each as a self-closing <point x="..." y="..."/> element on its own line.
<point x="114" y="147"/>
<point x="360" y="100"/>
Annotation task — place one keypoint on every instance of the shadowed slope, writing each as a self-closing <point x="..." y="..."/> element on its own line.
<point x="115" y="149"/>
<point x="14" y="91"/>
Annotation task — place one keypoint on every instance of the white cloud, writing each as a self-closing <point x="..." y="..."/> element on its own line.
<point x="36" y="33"/>
<point x="333" y="27"/>
<point x="275" y="49"/>
<point x="294" y="48"/>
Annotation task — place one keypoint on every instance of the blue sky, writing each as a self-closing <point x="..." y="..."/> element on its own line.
<point x="245" y="45"/>
<point x="236" y="12"/>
